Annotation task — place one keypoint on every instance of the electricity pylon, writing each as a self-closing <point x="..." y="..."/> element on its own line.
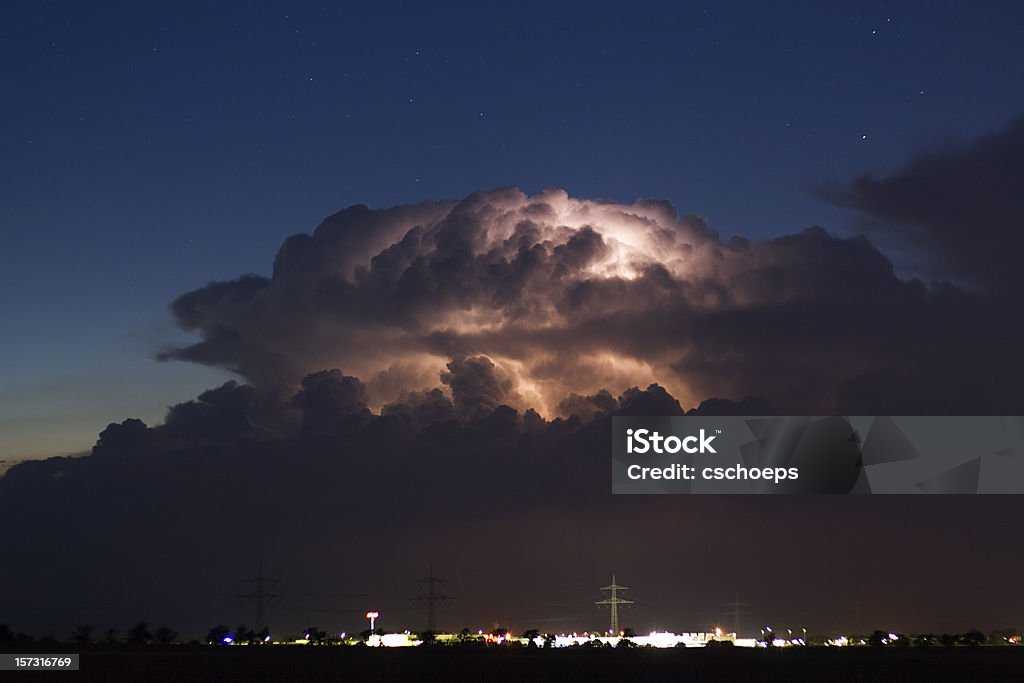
<point x="735" y="613"/>
<point x="614" y="601"/>
<point x="260" y="594"/>
<point x="431" y="598"/>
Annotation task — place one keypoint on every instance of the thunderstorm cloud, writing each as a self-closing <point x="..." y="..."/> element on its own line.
<point x="437" y="381"/>
<point x="508" y="299"/>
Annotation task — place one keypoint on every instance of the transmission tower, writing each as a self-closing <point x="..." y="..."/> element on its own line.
<point x="614" y="601"/>
<point x="431" y="598"/>
<point x="260" y="595"/>
<point x="735" y="613"/>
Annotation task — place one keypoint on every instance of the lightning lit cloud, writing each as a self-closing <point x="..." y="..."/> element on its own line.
<point x="396" y="295"/>
<point x="561" y="296"/>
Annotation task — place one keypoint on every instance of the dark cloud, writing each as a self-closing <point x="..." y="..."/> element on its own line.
<point x="194" y="501"/>
<point x="751" y="405"/>
<point x="423" y="408"/>
<point x="588" y="407"/>
<point x="477" y="385"/>
<point x="329" y="400"/>
<point x="348" y="508"/>
<point x="964" y="203"/>
<point x="217" y="414"/>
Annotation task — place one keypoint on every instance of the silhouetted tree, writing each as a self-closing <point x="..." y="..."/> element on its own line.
<point x="1001" y="636"/>
<point x="549" y="640"/>
<point x="877" y="638"/>
<point x="314" y="635"/>
<point x="530" y="635"/>
<point x="217" y="634"/>
<point x="82" y="635"/>
<point x="6" y="635"/>
<point x="973" y="638"/>
<point x="428" y="637"/>
<point x="140" y="635"/>
<point x="924" y="639"/>
<point x="263" y="636"/>
<point x="165" y="635"/>
<point x="110" y="637"/>
<point x="628" y="633"/>
<point x="244" y="634"/>
<point x="949" y="639"/>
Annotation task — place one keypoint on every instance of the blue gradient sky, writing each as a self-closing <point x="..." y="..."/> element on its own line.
<point x="149" y="148"/>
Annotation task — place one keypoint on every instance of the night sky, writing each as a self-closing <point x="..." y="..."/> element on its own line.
<point x="798" y="208"/>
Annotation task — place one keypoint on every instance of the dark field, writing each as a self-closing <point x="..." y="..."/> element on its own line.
<point x="300" y="664"/>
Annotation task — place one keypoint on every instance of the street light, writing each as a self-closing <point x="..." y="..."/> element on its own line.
<point x="372" y="616"/>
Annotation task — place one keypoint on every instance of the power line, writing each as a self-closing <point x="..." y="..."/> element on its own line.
<point x="614" y="601"/>
<point x="260" y="595"/>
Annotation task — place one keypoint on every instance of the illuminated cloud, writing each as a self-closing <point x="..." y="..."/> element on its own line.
<point x="557" y="296"/>
<point x="397" y="295"/>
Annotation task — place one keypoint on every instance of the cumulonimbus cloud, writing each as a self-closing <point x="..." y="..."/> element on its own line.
<point x="458" y="328"/>
<point x="554" y="295"/>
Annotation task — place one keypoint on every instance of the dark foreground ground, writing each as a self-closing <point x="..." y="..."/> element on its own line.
<point x="299" y="664"/>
